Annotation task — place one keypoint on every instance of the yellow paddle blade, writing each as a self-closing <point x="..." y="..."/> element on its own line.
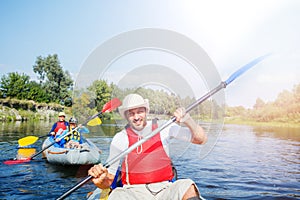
<point x="27" y="141"/>
<point x="94" y="122"/>
<point x="25" y="153"/>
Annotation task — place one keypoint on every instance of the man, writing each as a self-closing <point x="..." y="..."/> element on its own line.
<point x="60" y="125"/>
<point x="146" y="172"/>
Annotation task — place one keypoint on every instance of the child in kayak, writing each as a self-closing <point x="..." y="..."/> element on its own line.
<point x="73" y="137"/>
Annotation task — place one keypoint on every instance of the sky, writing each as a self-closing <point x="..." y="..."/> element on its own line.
<point x="231" y="32"/>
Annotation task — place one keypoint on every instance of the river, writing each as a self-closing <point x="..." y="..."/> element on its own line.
<point x="246" y="163"/>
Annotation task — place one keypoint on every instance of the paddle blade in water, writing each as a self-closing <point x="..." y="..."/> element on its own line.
<point x="26" y="141"/>
<point x="15" y="162"/>
<point x="111" y="105"/>
<point x="94" y="122"/>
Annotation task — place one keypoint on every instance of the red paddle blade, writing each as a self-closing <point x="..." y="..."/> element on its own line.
<point x="111" y="105"/>
<point x="15" y="162"/>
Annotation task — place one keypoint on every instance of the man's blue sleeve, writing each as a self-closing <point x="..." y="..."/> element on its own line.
<point x="53" y="127"/>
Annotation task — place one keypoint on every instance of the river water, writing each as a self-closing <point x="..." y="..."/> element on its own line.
<point x="245" y="163"/>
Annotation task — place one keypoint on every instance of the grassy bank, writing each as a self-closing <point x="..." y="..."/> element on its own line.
<point x="22" y="110"/>
<point x="255" y="123"/>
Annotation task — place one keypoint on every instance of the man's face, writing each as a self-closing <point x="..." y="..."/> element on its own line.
<point x="137" y="118"/>
<point x="61" y="118"/>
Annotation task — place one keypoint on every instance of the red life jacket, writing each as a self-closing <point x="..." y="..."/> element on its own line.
<point x="149" y="163"/>
<point x="60" y="125"/>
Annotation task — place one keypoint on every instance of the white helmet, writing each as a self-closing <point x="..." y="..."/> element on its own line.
<point x="132" y="101"/>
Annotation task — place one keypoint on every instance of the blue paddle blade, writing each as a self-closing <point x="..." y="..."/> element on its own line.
<point x="245" y="68"/>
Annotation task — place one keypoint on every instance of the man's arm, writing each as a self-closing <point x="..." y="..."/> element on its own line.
<point x="51" y="132"/>
<point x="103" y="178"/>
<point x="198" y="134"/>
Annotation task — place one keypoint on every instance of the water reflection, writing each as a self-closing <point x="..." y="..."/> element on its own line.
<point x="67" y="171"/>
<point x="284" y="133"/>
<point x="10" y="131"/>
<point x="25" y="153"/>
<point x="246" y="163"/>
<point x="252" y="163"/>
<point x="15" y="130"/>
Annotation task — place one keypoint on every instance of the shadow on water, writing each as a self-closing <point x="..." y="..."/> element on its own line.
<point x="67" y="171"/>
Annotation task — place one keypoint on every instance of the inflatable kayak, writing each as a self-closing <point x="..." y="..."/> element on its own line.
<point x="89" y="153"/>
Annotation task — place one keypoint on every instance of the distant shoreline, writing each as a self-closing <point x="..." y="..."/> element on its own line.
<point x="24" y="110"/>
<point x="21" y="110"/>
<point x="254" y="123"/>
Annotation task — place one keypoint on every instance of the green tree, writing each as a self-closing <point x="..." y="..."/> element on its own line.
<point x="296" y="92"/>
<point x="56" y="82"/>
<point x="82" y="106"/>
<point x="102" y="92"/>
<point x="259" y="104"/>
<point x="284" y="99"/>
<point x="235" y="111"/>
<point x="36" y="93"/>
<point x="15" y="85"/>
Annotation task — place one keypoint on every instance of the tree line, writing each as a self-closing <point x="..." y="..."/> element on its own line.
<point x="54" y="85"/>
<point x="285" y="109"/>
<point x="163" y="104"/>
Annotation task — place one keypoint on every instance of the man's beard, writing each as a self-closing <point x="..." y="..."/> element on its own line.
<point x="138" y="127"/>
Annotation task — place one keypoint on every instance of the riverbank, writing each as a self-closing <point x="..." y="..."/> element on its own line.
<point x="255" y="123"/>
<point x="23" y="110"/>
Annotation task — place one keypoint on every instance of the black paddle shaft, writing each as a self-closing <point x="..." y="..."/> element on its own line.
<point x="47" y="147"/>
